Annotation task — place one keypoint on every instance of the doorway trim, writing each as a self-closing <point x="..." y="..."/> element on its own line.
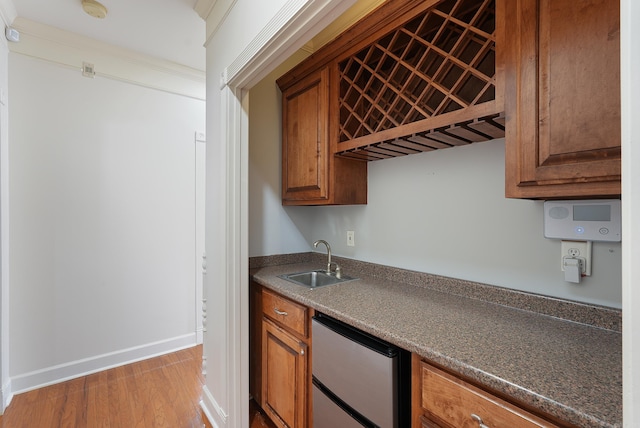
<point x="292" y="26"/>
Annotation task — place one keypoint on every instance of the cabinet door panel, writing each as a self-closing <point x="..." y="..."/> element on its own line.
<point x="562" y="97"/>
<point x="305" y="139"/>
<point x="284" y="376"/>
<point x="579" y="84"/>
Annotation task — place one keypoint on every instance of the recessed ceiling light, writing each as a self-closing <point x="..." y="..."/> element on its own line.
<point x="94" y="8"/>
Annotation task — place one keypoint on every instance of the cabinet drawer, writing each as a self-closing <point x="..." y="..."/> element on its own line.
<point x="290" y="315"/>
<point x="455" y="403"/>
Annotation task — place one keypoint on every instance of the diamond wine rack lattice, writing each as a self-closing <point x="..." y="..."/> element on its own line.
<point x="426" y="81"/>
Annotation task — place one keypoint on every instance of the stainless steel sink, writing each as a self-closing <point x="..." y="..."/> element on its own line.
<point x="316" y="278"/>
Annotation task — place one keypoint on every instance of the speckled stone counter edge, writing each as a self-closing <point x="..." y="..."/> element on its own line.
<point x="593" y="315"/>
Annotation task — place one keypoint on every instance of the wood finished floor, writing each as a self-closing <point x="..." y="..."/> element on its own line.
<point x="159" y="392"/>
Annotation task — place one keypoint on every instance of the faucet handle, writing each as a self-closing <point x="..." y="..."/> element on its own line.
<point x="338" y="269"/>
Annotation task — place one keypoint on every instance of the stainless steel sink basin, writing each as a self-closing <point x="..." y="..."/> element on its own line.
<point x="316" y="278"/>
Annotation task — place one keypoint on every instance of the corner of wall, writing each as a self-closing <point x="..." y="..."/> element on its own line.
<point x="7" y="12"/>
<point x="204" y="8"/>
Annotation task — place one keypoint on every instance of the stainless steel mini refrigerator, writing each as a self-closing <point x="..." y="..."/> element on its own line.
<point x="358" y="379"/>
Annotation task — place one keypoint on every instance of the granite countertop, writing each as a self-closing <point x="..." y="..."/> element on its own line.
<point x="568" y="369"/>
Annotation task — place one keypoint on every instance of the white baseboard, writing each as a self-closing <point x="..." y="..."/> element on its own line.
<point x="5" y="396"/>
<point x="212" y="410"/>
<point x="74" y="369"/>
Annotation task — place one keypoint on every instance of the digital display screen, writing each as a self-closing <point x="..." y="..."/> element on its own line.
<point x="592" y="212"/>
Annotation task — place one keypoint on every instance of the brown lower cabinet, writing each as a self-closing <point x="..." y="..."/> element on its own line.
<point x="280" y="358"/>
<point x="280" y="377"/>
<point x="441" y="400"/>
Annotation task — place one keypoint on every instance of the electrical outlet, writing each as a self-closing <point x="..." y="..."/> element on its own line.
<point x="580" y="250"/>
<point x="351" y="238"/>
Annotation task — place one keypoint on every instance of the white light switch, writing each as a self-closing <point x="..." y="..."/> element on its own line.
<point x="351" y="238"/>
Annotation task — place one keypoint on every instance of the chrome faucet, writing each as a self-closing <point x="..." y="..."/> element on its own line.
<point x="338" y="271"/>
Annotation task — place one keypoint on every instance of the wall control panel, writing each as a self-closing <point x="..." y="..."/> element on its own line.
<point x="589" y="220"/>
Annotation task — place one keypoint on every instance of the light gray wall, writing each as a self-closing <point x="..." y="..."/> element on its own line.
<point x="442" y="212"/>
<point x="272" y="229"/>
<point x="102" y="233"/>
<point x="445" y="213"/>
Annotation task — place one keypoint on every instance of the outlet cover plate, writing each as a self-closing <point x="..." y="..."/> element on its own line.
<point x="578" y="249"/>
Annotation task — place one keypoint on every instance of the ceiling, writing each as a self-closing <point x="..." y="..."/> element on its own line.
<point x="166" y="29"/>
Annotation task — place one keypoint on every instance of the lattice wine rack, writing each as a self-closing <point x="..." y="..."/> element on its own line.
<point x="427" y="85"/>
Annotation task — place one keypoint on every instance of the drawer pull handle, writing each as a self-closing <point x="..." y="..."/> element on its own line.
<point x="479" y="420"/>
<point x="280" y="312"/>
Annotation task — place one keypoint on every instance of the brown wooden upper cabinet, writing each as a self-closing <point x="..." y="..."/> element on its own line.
<point x="311" y="174"/>
<point x="410" y="77"/>
<point x="421" y="75"/>
<point x="562" y="97"/>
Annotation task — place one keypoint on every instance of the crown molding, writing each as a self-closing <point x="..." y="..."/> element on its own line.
<point x="295" y="17"/>
<point x="69" y="49"/>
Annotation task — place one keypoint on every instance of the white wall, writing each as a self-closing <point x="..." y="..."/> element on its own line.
<point x="102" y="233"/>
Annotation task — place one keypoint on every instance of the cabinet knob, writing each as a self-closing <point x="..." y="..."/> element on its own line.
<point x="479" y="420"/>
<point x="280" y="312"/>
